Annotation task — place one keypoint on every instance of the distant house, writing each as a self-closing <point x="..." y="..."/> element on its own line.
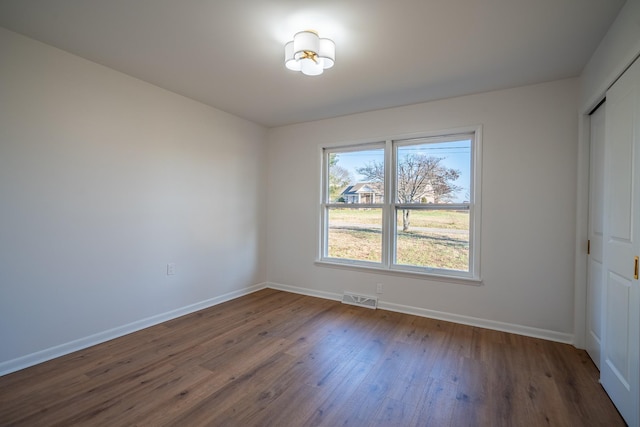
<point x="363" y="192"/>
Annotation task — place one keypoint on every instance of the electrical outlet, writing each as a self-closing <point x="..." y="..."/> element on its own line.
<point x="171" y="269"/>
<point x="379" y="288"/>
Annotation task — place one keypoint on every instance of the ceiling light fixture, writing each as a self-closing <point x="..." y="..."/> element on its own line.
<point x="309" y="53"/>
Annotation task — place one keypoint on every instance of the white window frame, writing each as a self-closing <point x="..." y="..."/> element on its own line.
<point x="390" y="204"/>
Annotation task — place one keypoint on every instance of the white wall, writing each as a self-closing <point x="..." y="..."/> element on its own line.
<point x="616" y="51"/>
<point x="104" y="179"/>
<point x="528" y="194"/>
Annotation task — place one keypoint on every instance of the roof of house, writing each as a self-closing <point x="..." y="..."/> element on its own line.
<point x="363" y="187"/>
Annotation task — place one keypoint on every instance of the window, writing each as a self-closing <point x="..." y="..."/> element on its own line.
<point x="409" y="204"/>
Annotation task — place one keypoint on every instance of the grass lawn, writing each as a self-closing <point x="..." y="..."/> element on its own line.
<point x="430" y="219"/>
<point x="437" y="239"/>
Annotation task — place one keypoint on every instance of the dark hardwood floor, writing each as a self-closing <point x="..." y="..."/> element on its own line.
<point x="280" y="359"/>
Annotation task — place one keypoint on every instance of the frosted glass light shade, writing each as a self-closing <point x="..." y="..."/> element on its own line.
<point x="327" y="52"/>
<point x="311" y="68"/>
<point x="289" y="61"/>
<point x="309" y="53"/>
<point x="305" y="41"/>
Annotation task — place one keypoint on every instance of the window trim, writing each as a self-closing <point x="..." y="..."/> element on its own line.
<point x="389" y="206"/>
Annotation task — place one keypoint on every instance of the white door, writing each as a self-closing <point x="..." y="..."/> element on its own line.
<point x="595" y="296"/>
<point x="619" y="365"/>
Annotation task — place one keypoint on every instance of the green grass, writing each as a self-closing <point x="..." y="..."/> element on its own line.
<point x="435" y="239"/>
<point x="360" y="244"/>
<point x="434" y="250"/>
<point x="430" y="219"/>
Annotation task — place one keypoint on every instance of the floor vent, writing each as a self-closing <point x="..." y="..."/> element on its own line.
<point x="360" y="300"/>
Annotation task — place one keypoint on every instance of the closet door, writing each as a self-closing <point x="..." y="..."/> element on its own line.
<point x="595" y="289"/>
<point x="620" y="359"/>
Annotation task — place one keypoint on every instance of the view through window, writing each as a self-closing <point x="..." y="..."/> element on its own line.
<point x="407" y="204"/>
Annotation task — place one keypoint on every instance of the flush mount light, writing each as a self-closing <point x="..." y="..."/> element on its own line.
<point x="309" y="53"/>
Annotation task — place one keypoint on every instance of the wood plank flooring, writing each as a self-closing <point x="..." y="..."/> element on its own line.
<point x="279" y="359"/>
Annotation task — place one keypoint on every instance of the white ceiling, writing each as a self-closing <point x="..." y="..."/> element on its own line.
<point x="229" y="53"/>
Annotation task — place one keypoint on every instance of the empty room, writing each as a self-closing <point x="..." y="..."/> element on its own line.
<point x="319" y="213"/>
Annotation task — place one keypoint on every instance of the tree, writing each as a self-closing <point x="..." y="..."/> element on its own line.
<point x="420" y="179"/>
<point x="339" y="177"/>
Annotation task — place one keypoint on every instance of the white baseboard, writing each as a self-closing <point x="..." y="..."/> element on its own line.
<point x="91" y="340"/>
<point x="481" y="323"/>
<point x="449" y="317"/>
<point x="304" y="291"/>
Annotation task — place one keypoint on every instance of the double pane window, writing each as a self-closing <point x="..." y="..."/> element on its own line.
<point x="406" y="204"/>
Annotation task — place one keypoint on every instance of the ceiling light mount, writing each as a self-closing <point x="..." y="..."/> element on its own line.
<point x="310" y="54"/>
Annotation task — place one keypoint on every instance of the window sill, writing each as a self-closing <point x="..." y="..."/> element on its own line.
<point x="401" y="273"/>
